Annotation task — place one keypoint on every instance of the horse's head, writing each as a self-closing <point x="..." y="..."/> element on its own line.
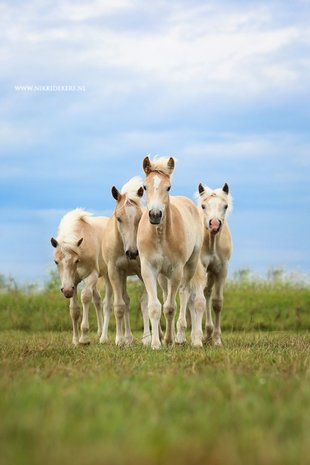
<point x="128" y="212"/>
<point x="67" y="257"/>
<point x="157" y="185"/>
<point x="215" y="205"/>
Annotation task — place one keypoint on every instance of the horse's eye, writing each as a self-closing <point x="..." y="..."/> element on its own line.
<point x="168" y="188"/>
<point x="144" y="187"/>
<point x="77" y="261"/>
<point x="203" y="207"/>
<point x="119" y="219"/>
<point x="56" y="263"/>
<point x="225" y="207"/>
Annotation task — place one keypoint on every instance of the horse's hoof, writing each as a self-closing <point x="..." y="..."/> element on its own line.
<point x="120" y="342"/>
<point x="82" y="343"/>
<point x="197" y="343"/>
<point x="128" y="340"/>
<point x="217" y="343"/>
<point x="180" y="339"/>
<point x="103" y="340"/>
<point x="146" y="341"/>
<point x="156" y="346"/>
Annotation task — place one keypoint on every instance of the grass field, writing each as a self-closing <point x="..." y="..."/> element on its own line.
<point x="245" y="403"/>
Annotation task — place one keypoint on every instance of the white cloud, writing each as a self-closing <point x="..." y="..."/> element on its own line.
<point x="201" y="49"/>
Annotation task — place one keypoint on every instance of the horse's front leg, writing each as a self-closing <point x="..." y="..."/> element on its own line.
<point x="86" y="297"/>
<point x="128" y="333"/>
<point x="149" y="275"/>
<point x="107" y="308"/>
<point x="207" y="293"/>
<point x="146" y="338"/>
<point x="170" y="305"/>
<point x="75" y="312"/>
<point x="117" y="279"/>
<point x="217" y="304"/>
<point x="97" y="304"/>
<point x="181" y="323"/>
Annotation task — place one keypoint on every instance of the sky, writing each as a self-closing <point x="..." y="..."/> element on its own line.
<point x="221" y="85"/>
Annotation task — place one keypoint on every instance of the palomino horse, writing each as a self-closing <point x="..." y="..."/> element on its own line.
<point x="119" y="249"/>
<point x="216" y="251"/>
<point x="169" y="239"/>
<point x="78" y="257"/>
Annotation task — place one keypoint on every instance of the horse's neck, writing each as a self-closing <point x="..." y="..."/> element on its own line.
<point x="212" y="243"/>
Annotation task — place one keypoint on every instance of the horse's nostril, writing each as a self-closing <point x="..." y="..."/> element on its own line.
<point x="62" y="289"/>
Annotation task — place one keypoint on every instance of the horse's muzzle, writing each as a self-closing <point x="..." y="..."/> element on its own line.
<point x="132" y="254"/>
<point x="68" y="291"/>
<point x="215" y="225"/>
<point x="155" y="216"/>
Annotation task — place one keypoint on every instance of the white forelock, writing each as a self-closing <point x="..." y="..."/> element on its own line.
<point x="131" y="188"/>
<point x="68" y="230"/>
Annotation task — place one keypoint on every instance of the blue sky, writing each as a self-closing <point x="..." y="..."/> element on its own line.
<point x="221" y="85"/>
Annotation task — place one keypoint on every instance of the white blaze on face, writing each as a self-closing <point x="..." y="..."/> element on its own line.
<point x="129" y="231"/>
<point x="67" y="271"/>
<point x="155" y="202"/>
<point x="157" y="181"/>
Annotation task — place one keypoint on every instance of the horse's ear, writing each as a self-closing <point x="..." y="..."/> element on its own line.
<point x="115" y="193"/>
<point x="171" y="164"/>
<point x="79" y="242"/>
<point x="54" y="242"/>
<point x="146" y="165"/>
<point x="201" y="189"/>
<point x="140" y="192"/>
<point x="226" y="188"/>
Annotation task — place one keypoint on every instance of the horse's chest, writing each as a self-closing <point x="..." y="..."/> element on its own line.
<point x="212" y="263"/>
<point x="130" y="267"/>
<point x="167" y="267"/>
<point x="163" y="263"/>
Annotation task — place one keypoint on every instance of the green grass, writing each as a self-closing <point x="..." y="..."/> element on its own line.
<point x="246" y="307"/>
<point x="245" y="403"/>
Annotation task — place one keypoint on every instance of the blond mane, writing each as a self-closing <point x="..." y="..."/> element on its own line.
<point x="208" y="192"/>
<point x="69" y="230"/>
<point x="160" y="164"/>
<point x="131" y="188"/>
